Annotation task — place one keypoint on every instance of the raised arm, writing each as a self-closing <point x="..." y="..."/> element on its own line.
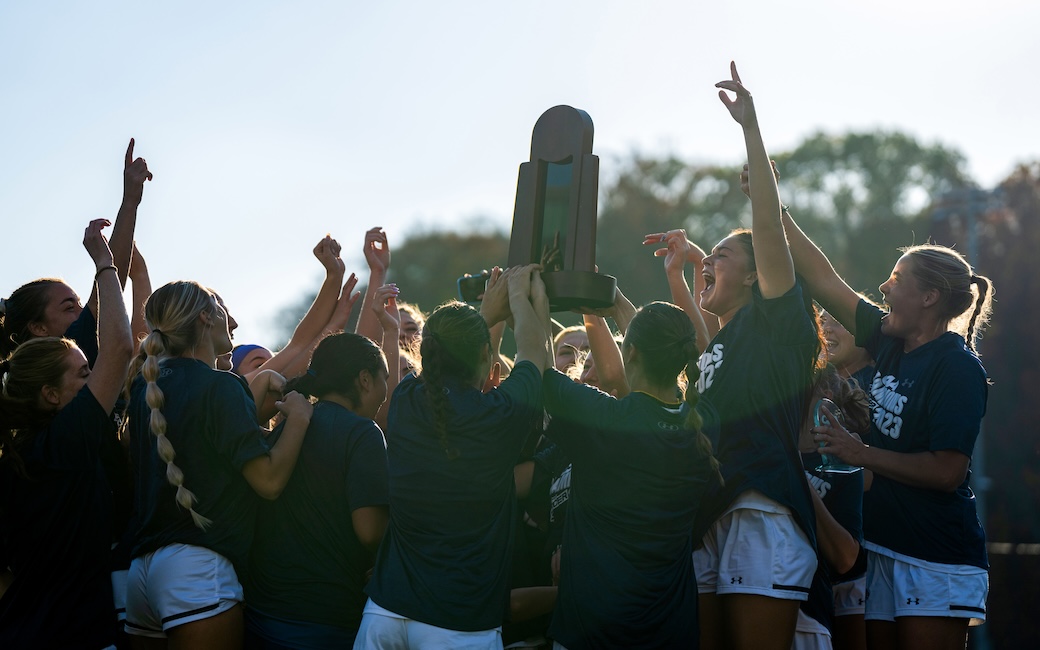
<point x="610" y="368"/>
<point x="530" y="308"/>
<point x="377" y="254"/>
<point x="498" y="326"/>
<point x="384" y="308"/>
<point x="772" y="256"/>
<point x="142" y="288"/>
<point x="135" y="173"/>
<point x="809" y="262"/>
<point x="115" y="343"/>
<point x="288" y="358"/>
<point x="678" y="250"/>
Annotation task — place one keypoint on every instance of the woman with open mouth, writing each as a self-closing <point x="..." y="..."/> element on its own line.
<point x="758" y="555"/>
<point x="927" y="570"/>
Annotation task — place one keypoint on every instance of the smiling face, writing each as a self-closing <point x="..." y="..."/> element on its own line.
<point x="904" y="298"/>
<point x="72" y="380"/>
<point x="569" y="348"/>
<point x="728" y="275"/>
<point x="410" y="331"/>
<point x="841" y="348"/>
<point x="63" y="308"/>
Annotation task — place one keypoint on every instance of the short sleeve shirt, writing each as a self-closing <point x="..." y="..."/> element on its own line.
<point x="211" y="423"/>
<point x="929" y="399"/>
<point x="756" y="372"/>
<point x="307" y="563"/>
<point x="56" y="529"/>
<point x="445" y="559"/>
<point x="637" y="479"/>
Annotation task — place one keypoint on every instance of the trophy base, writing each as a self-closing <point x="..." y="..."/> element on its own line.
<point x="569" y="290"/>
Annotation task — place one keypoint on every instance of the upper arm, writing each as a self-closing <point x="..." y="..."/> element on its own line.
<point x="369" y="524"/>
<point x="108" y="375"/>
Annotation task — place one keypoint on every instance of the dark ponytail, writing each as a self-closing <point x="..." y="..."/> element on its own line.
<point x="667" y="344"/>
<point x="335" y="366"/>
<point x="453" y="338"/>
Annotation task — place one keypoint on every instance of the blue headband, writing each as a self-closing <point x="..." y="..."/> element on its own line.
<point x="240" y="352"/>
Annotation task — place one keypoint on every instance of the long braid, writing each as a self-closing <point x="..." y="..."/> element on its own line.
<point x="452" y="340"/>
<point x="433" y="379"/>
<point x="667" y="343"/>
<point x="154" y="348"/>
<point x="981" y="308"/>
<point x="172" y="314"/>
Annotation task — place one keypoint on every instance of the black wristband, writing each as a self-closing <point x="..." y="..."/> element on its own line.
<point x="103" y="269"/>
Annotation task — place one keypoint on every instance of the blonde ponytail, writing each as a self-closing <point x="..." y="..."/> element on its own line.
<point x="189" y="298"/>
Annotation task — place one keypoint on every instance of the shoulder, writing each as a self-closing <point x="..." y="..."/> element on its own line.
<point x="954" y="357"/>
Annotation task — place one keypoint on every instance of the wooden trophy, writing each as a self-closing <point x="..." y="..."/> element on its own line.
<point x="554" y="221"/>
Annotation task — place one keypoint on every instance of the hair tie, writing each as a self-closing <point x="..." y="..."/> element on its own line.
<point x="157" y="331"/>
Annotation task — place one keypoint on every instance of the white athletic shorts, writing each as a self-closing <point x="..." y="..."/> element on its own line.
<point x="384" y="630"/>
<point x="178" y="584"/>
<point x="810" y="634"/>
<point x="850" y="597"/>
<point x="898" y="585"/>
<point x="756" y="547"/>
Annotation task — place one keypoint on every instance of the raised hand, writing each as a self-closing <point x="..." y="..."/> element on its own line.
<point x="676" y="251"/>
<point x="494" y="305"/>
<point x="742" y="109"/>
<point x="96" y="244"/>
<point x="377" y="250"/>
<point x="384" y="306"/>
<point x="327" y="251"/>
<point x="135" y="173"/>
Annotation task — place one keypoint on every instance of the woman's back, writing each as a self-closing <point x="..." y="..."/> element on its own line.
<point x="211" y="423"/>
<point x="307" y="563"/>
<point x="638" y="477"/>
<point x="451" y="519"/>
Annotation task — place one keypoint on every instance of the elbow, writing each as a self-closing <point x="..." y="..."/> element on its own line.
<point x="952" y="482"/>
<point x="121" y="347"/>
<point x="846" y="562"/>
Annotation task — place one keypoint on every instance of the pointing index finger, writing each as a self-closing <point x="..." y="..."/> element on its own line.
<point x="129" y="158"/>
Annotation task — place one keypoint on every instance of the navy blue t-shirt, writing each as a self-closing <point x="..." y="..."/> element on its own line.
<point x="211" y="423"/>
<point x="637" y="478"/>
<point x="113" y="455"/>
<point x="84" y="332"/>
<point x="56" y="529"/>
<point x="930" y="399"/>
<point x="445" y="559"/>
<point x="842" y="494"/>
<point x="756" y="372"/>
<point x="307" y="564"/>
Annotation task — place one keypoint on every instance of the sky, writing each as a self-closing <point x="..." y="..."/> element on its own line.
<point x="269" y="124"/>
